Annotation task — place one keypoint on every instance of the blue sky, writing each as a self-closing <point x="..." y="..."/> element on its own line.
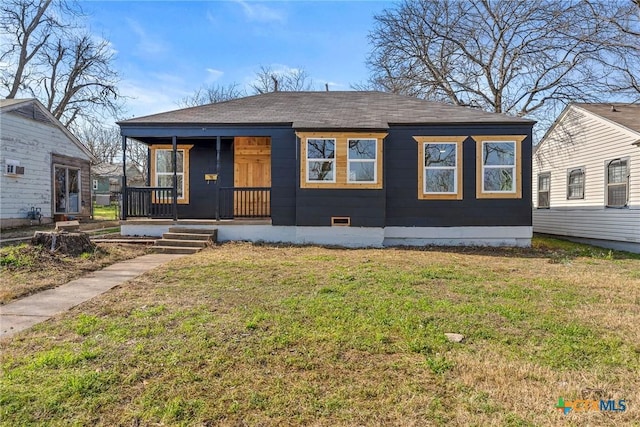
<point x="168" y="49"/>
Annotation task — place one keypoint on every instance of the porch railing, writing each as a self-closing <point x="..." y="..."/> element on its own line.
<point x="149" y="202"/>
<point x="245" y="202"/>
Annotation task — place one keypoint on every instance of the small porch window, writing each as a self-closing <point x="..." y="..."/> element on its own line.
<point x="162" y="169"/>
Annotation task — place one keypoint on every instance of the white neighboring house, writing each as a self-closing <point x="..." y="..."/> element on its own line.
<point x="586" y="171"/>
<point x="45" y="168"/>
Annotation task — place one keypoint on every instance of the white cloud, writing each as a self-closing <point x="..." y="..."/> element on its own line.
<point x="258" y="12"/>
<point x="148" y="45"/>
<point x="213" y="75"/>
<point x="158" y="93"/>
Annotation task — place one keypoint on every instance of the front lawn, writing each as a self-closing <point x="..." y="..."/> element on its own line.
<point x="243" y="334"/>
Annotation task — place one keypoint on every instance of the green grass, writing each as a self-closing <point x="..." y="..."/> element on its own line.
<point x="264" y="335"/>
<point x="105" y="212"/>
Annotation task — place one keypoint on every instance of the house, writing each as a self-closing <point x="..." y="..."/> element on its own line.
<point x="45" y="168"/>
<point x="107" y="181"/>
<point x="345" y="168"/>
<point x="586" y="171"/>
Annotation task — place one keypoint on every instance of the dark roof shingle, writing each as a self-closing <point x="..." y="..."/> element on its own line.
<point x="627" y="115"/>
<point x="347" y="109"/>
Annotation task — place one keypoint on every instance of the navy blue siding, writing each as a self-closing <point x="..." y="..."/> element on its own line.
<point x="403" y="207"/>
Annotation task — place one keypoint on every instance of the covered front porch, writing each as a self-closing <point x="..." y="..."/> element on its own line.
<point x="201" y="178"/>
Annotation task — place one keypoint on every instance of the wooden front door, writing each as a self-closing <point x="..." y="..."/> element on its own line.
<point x="252" y="168"/>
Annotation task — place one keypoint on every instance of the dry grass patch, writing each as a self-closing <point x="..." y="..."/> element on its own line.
<point x="244" y="334"/>
<point x="28" y="269"/>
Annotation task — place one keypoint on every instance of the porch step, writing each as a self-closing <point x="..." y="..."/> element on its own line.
<point x="181" y="240"/>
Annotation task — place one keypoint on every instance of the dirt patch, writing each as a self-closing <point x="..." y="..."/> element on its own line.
<point x="28" y="269"/>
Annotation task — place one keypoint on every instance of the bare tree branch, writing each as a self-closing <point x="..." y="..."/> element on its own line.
<point x="212" y="94"/>
<point x="506" y="56"/>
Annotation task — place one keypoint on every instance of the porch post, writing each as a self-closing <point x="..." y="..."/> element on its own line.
<point x="218" y="145"/>
<point x="174" y="142"/>
<point x="123" y="190"/>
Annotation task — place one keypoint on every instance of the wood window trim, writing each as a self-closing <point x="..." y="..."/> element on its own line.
<point x="422" y="140"/>
<point x="517" y="193"/>
<point x="184" y="147"/>
<point x="548" y="191"/>
<point x="341" y="159"/>
<point x="570" y="171"/>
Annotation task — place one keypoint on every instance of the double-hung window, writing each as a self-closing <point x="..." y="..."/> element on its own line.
<point x="361" y="160"/>
<point x="162" y="170"/>
<point x="346" y="160"/>
<point x="321" y="160"/>
<point x="544" y="187"/>
<point x="440" y="167"/>
<point x="575" y="183"/>
<point x="499" y="166"/>
<point x="617" y="179"/>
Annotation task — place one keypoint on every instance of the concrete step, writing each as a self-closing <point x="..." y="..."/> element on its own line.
<point x="174" y="250"/>
<point x="182" y="242"/>
<point x="187" y="236"/>
<point x="188" y="230"/>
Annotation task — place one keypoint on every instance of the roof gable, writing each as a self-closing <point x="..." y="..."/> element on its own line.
<point x="625" y="115"/>
<point x="331" y="110"/>
<point x="33" y="109"/>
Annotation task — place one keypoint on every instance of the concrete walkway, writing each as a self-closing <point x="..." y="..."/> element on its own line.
<point x="26" y="312"/>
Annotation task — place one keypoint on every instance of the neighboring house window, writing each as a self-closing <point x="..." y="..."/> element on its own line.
<point x="12" y="167"/>
<point x="361" y="160"/>
<point x="321" y="160"/>
<point x="440" y="167"/>
<point x="617" y="178"/>
<point x="499" y="166"/>
<point x="575" y="183"/>
<point x="66" y="189"/>
<point x="341" y="160"/>
<point x="162" y="169"/>
<point x="544" y="187"/>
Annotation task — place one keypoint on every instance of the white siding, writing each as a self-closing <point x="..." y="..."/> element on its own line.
<point x="581" y="139"/>
<point x="31" y="143"/>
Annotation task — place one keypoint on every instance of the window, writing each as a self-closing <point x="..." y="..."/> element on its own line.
<point x="440" y="167"/>
<point x="12" y="167"/>
<point x="617" y="178"/>
<point x="321" y="160"/>
<point x="361" y="160"/>
<point x="341" y="159"/>
<point x="66" y="182"/>
<point x="544" y="187"/>
<point x="499" y="168"/>
<point x="575" y="183"/>
<point x="162" y="169"/>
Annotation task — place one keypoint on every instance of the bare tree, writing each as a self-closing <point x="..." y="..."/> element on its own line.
<point x="270" y="80"/>
<point x="212" y="94"/>
<point x="103" y="142"/>
<point x="505" y="56"/>
<point x="138" y="156"/>
<point x="51" y="58"/>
